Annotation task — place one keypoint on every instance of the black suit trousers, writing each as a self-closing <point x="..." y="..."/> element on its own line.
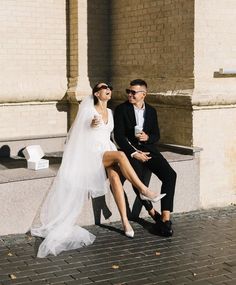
<point x="159" y="166"/>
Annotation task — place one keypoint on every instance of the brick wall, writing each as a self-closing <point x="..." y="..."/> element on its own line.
<point x="175" y="124"/>
<point x="33" y="67"/>
<point x="99" y="58"/>
<point x="33" y="50"/>
<point x="153" y="40"/>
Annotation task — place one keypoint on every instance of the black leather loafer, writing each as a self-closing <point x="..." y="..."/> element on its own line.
<point x="164" y="228"/>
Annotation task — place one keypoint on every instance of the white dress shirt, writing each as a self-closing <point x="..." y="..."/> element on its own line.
<point x="139" y="117"/>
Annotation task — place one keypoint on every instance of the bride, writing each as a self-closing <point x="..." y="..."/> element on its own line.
<point x="89" y="158"/>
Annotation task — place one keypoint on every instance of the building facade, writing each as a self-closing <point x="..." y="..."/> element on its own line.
<point x="53" y="51"/>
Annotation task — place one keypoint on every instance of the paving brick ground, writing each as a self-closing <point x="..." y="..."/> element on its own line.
<point x="202" y="251"/>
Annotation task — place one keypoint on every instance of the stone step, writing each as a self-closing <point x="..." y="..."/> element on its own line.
<point x="22" y="191"/>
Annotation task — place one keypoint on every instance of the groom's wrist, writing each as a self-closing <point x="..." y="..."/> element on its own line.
<point x="133" y="153"/>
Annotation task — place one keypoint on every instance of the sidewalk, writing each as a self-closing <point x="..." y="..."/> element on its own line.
<point x="202" y="251"/>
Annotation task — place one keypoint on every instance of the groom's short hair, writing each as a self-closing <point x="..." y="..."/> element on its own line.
<point x="140" y="82"/>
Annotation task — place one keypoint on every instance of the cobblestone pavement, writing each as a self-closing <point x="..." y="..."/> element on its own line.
<point x="202" y="251"/>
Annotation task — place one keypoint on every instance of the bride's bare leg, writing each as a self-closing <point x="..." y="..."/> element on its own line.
<point x="118" y="193"/>
<point x="111" y="157"/>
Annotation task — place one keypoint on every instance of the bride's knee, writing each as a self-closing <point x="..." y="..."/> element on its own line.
<point x="121" y="156"/>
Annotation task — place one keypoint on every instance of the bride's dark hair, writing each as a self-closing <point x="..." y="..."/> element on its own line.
<point x="95" y="89"/>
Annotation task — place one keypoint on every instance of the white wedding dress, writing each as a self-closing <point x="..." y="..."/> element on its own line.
<point x="80" y="176"/>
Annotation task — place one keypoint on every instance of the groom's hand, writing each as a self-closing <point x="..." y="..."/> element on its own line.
<point x="142" y="156"/>
<point x="142" y="137"/>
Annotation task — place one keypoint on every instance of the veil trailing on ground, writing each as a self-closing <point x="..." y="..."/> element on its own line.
<point x="80" y="175"/>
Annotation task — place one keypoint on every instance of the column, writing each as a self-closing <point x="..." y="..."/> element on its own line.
<point x="79" y="86"/>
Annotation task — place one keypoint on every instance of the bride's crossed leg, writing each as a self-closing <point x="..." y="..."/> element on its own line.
<point x="112" y="157"/>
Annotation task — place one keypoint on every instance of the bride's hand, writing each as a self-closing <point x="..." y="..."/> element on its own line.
<point x="96" y="121"/>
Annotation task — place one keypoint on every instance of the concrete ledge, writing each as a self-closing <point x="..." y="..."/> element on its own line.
<point x="179" y="148"/>
<point x="22" y="191"/>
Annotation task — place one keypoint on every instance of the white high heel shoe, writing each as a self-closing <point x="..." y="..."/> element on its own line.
<point x="129" y="234"/>
<point x="155" y="199"/>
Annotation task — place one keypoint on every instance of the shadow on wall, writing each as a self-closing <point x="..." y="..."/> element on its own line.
<point x="99" y="57"/>
<point x="63" y="106"/>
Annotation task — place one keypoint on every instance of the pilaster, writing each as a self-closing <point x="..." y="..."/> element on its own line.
<point x="79" y="86"/>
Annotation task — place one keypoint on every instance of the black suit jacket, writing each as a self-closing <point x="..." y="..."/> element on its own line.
<point x="124" y="123"/>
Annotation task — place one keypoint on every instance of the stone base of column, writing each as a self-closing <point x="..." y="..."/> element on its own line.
<point x="79" y="88"/>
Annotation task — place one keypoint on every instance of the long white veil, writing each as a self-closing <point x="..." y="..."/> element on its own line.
<point x="78" y="178"/>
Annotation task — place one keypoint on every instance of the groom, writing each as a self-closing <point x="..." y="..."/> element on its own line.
<point x="136" y="132"/>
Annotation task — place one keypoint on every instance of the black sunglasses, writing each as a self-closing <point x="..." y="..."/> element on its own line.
<point x="104" y="87"/>
<point x="133" y="92"/>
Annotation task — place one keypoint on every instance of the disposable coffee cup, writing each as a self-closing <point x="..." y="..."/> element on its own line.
<point x="137" y="130"/>
<point x="98" y="118"/>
